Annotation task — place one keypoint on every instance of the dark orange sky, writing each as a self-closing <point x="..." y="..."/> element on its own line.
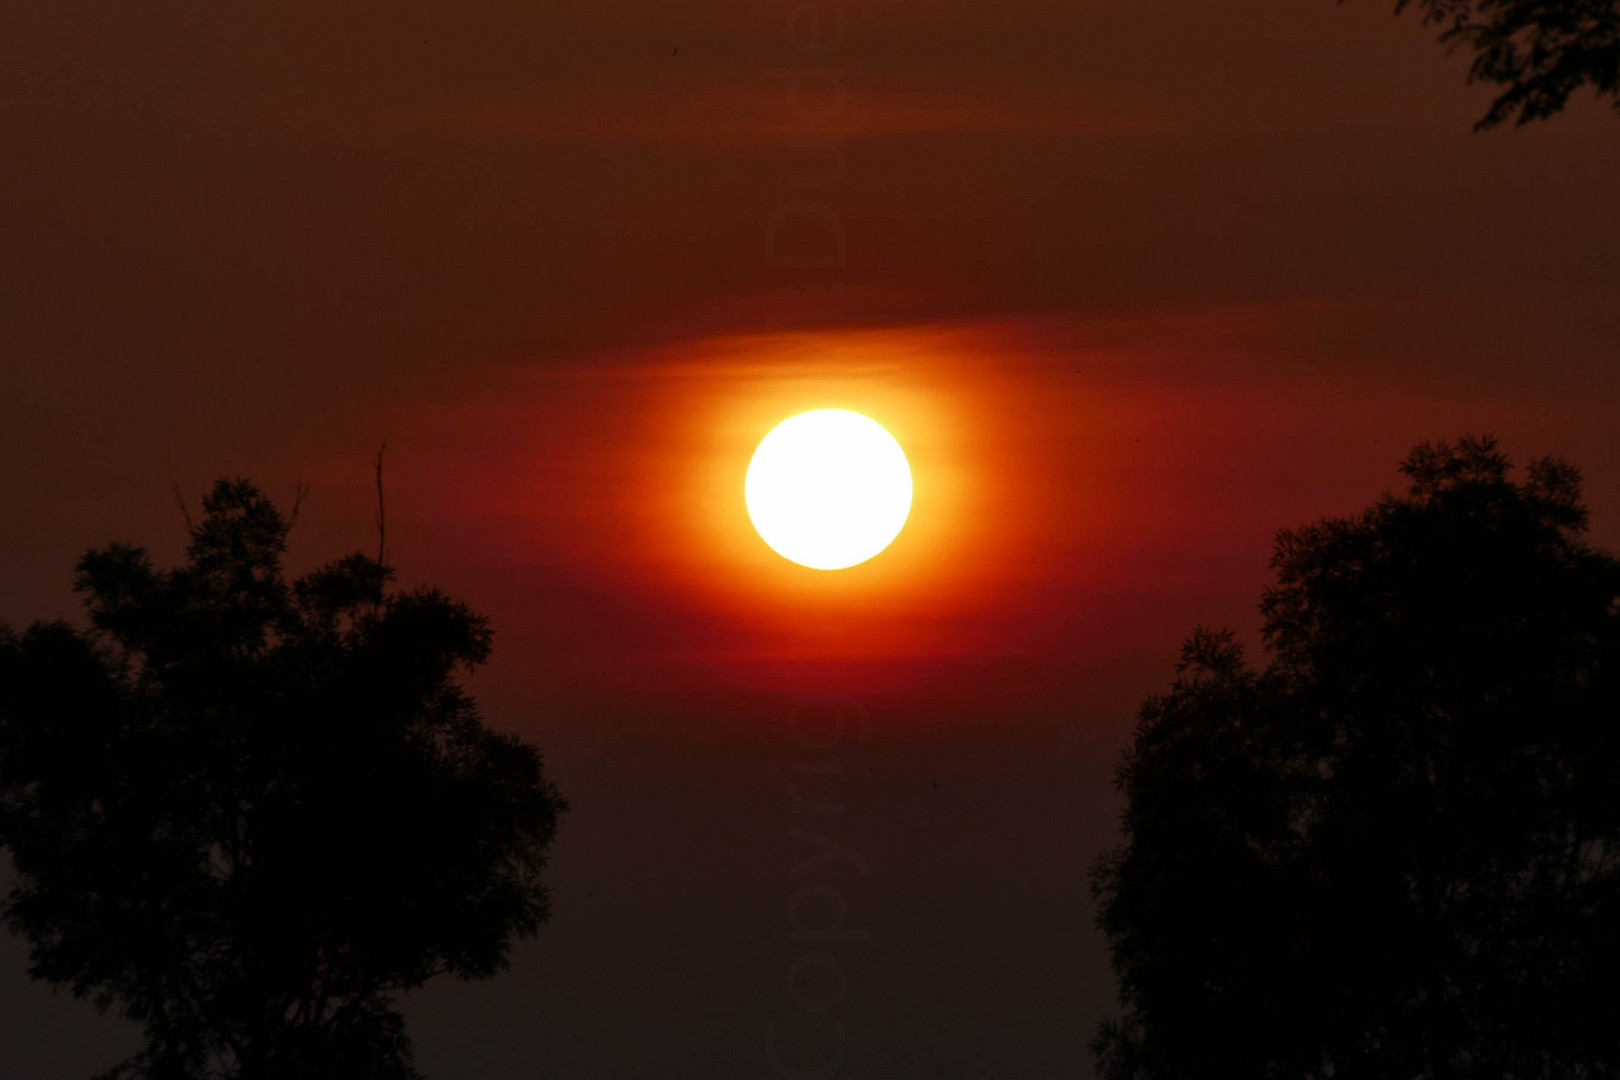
<point x="1135" y="285"/>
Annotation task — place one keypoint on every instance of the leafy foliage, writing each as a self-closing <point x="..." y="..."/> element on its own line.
<point x="249" y="812"/>
<point x="1395" y="850"/>
<point x="1542" y="51"/>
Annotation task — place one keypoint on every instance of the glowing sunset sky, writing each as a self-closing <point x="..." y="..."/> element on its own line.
<point x="1134" y="285"/>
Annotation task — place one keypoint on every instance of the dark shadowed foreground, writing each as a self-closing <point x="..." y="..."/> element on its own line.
<point x="1395" y="850"/>
<point x="249" y="812"/>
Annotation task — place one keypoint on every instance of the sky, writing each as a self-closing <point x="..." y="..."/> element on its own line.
<point x="1135" y="285"/>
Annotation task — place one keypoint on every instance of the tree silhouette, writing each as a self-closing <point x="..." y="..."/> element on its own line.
<point x="251" y="812"/>
<point x="1542" y="51"/>
<point x="1395" y="850"/>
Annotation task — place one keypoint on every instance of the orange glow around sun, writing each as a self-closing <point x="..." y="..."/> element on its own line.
<point x="626" y="479"/>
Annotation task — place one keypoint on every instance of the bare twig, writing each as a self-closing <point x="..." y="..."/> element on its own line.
<point x="382" y="516"/>
<point x="300" y="493"/>
<point x="191" y="529"/>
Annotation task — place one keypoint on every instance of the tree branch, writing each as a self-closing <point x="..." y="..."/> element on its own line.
<point x="191" y="529"/>
<point x="300" y="493"/>
<point x="382" y="515"/>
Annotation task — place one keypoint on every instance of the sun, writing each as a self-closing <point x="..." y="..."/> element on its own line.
<point x="828" y="489"/>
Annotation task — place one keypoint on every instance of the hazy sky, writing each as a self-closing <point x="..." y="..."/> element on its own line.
<point x="1134" y="284"/>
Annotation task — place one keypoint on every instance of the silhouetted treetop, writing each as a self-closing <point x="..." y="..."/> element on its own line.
<point x="250" y="812"/>
<point x="1541" y="51"/>
<point x="1395" y="849"/>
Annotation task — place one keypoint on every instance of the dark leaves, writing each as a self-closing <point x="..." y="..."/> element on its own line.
<point x="1395" y="851"/>
<point x="1540" y="51"/>
<point x="247" y="812"/>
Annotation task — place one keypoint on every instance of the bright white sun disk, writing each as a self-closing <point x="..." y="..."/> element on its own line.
<point x="828" y="489"/>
